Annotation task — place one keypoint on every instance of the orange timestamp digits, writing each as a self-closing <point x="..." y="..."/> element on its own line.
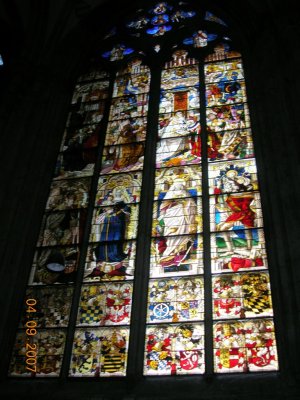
<point x="31" y="348"/>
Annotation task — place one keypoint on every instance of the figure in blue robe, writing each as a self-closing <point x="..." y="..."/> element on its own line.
<point x="112" y="229"/>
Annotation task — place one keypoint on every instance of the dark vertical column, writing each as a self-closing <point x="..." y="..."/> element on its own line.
<point x="32" y="121"/>
<point x="271" y="78"/>
<point x="139" y="304"/>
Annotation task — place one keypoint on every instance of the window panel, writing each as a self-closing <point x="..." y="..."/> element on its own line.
<point x="126" y="131"/>
<point x="230" y="145"/>
<point x="177" y="216"/>
<point x="174" y="349"/>
<point x="128" y="157"/>
<point x="78" y="152"/>
<point x="105" y="304"/>
<point x="129" y="107"/>
<point x="179" y="124"/>
<point x="190" y="176"/>
<point x="178" y="151"/>
<point x="176" y="300"/>
<point x="180" y="77"/>
<point x="62" y="228"/>
<point x="66" y="194"/>
<point x="115" y="223"/>
<point x="46" y="348"/>
<point x="176" y="249"/>
<point x="227" y="117"/>
<point x="177" y="100"/>
<point x="235" y="211"/>
<point x="245" y="346"/>
<point x="101" y="266"/>
<point x="39" y="349"/>
<point x="100" y="352"/>
<point x="224" y="71"/>
<point x="239" y="249"/>
<point x="114" y="188"/>
<point x="52" y="306"/>
<point x="242" y="295"/>
<point x="86" y="114"/>
<point x="131" y="84"/>
<point x="229" y="177"/>
<point x="89" y="92"/>
<point x="220" y="93"/>
<point x="41" y="274"/>
<point x="183" y="257"/>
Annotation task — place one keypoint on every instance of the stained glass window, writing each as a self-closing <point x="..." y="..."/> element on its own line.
<point x="155" y="210"/>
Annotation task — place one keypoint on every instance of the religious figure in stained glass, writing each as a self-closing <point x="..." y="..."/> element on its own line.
<point x="177" y="126"/>
<point x="237" y="210"/>
<point x="230" y="145"/>
<point x="128" y="157"/>
<point x="117" y="52"/>
<point x="133" y="83"/>
<point x="176" y="220"/>
<point x="109" y="270"/>
<point x="66" y="194"/>
<point x="126" y="131"/>
<point x="111" y="222"/>
<point x="238" y="176"/>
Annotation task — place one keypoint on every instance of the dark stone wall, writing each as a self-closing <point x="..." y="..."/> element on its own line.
<point x="43" y="55"/>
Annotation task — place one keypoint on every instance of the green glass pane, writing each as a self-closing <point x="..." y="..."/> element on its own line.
<point x="238" y="250"/>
